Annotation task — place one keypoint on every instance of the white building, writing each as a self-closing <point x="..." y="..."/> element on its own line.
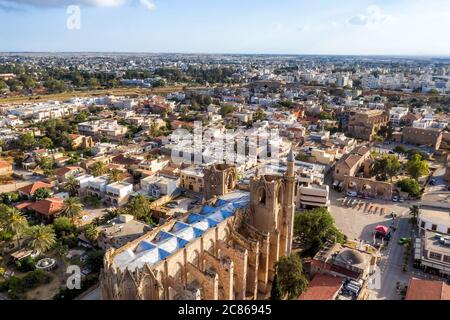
<point x="157" y="186"/>
<point x="313" y="196"/>
<point x="83" y="183"/>
<point x="97" y="186"/>
<point x="396" y="114"/>
<point x="117" y="193"/>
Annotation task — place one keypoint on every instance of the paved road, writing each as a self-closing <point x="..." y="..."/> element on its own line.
<point x="391" y="262"/>
<point x="95" y="294"/>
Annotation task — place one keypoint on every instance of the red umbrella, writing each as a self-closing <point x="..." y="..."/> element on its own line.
<point x="382" y="229"/>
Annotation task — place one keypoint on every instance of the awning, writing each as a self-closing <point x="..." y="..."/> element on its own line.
<point x="21" y="254"/>
<point x="382" y="229"/>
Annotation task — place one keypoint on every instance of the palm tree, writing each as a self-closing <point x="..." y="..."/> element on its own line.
<point x="98" y="169"/>
<point x="71" y="185"/>
<point x="91" y="233"/>
<point x="41" y="238"/>
<point x="139" y="207"/>
<point x="116" y="175"/>
<point x="61" y="250"/>
<point x="16" y="223"/>
<point x="72" y="208"/>
<point x="414" y="212"/>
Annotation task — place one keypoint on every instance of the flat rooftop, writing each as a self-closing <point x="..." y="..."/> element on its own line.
<point x="433" y="243"/>
<point x="193" y="171"/>
<point x="438" y="216"/>
<point x="119" y="185"/>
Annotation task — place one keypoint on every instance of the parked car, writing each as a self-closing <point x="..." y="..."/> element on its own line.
<point x="352" y="193"/>
<point x="432" y="182"/>
<point x="403" y="241"/>
<point x="394" y="199"/>
<point x="401" y="199"/>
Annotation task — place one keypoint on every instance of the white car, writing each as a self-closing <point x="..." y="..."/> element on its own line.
<point x="352" y="193"/>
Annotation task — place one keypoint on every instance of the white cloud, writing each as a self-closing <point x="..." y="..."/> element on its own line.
<point x="373" y="16"/>
<point x="105" y="3"/>
<point x="148" y="4"/>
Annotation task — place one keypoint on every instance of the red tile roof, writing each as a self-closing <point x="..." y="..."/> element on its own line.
<point x="48" y="207"/>
<point x="23" y="204"/>
<point x="427" y="290"/>
<point x="121" y="159"/>
<point x="322" y="287"/>
<point x="31" y="188"/>
<point x="64" y="170"/>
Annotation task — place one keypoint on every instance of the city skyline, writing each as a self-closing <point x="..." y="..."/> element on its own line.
<point x="400" y="28"/>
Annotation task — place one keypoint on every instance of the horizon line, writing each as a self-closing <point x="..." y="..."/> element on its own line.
<point x="412" y="55"/>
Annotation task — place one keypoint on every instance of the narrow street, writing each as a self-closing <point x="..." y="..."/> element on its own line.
<point x="391" y="262"/>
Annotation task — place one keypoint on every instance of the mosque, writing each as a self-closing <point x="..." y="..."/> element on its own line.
<point x="225" y="249"/>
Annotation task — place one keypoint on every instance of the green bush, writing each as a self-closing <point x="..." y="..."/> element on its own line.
<point x="26" y="265"/>
<point x="17" y="286"/>
<point x="94" y="260"/>
<point x="411" y="186"/>
<point x="63" y="224"/>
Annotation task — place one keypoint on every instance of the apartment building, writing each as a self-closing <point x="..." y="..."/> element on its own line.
<point x="118" y="193"/>
<point x="44" y="111"/>
<point x="191" y="179"/>
<point x="154" y="165"/>
<point x="313" y="196"/>
<point x="432" y="246"/>
<point x="83" y="183"/>
<point x="97" y="186"/>
<point x="157" y="186"/>
<point x="433" y="252"/>
<point x="396" y="115"/>
<point x="106" y="128"/>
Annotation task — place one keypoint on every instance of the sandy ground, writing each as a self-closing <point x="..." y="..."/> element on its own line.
<point x="46" y="291"/>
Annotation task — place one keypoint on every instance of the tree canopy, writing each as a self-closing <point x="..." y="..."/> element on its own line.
<point x="314" y="228"/>
<point x="410" y="185"/>
<point x="291" y="280"/>
<point x="386" y="166"/>
<point x="416" y="167"/>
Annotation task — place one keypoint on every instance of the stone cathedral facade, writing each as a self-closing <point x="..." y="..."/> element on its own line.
<point x="225" y="249"/>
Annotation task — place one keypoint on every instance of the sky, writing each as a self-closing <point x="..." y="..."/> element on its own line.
<point x="360" y="27"/>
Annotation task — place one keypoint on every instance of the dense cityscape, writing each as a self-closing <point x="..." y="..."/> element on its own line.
<point x="231" y="177"/>
<point x="224" y="159"/>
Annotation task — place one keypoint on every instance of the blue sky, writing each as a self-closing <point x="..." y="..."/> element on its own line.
<point x="416" y="27"/>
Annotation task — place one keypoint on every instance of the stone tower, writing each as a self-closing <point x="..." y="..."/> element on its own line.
<point x="219" y="179"/>
<point x="272" y="211"/>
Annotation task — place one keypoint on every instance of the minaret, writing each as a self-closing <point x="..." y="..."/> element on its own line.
<point x="289" y="205"/>
<point x="291" y="164"/>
